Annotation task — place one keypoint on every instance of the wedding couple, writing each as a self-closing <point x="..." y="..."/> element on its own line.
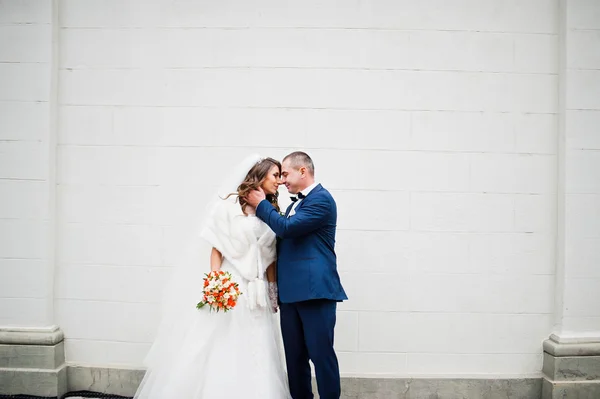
<point x="280" y="261"/>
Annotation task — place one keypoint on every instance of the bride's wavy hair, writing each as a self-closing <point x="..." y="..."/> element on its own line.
<point x="254" y="179"/>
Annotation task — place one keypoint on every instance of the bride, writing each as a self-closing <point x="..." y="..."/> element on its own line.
<point x="198" y="354"/>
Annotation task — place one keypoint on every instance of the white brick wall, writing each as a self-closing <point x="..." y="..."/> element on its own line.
<point x="26" y="170"/>
<point x="433" y="123"/>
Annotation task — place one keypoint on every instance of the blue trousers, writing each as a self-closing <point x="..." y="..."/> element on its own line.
<point x="307" y="328"/>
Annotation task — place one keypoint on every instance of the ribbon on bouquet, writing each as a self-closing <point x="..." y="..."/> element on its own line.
<point x="257" y="294"/>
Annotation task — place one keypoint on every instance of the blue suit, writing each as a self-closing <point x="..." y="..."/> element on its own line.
<point x="309" y="289"/>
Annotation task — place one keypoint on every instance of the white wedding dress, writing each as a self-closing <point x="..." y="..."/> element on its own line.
<point x="199" y="354"/>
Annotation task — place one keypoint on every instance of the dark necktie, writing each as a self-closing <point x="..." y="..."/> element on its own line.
<point x="300" y="196"/>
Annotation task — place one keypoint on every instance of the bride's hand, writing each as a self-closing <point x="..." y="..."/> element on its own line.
<point x="273" y="296"/>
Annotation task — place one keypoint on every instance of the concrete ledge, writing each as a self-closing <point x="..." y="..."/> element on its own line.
<point x="15" y="381"/>
<point x="572" y="368"/>
<point x="377" y="388"/>
<point x="31" y="336"/>
<point x="570" y="390"/>
<point x="32" y="356"/>
<point x="125" y="382"/>
<point x="556" y="348"/>
<point x="106" y="380"/>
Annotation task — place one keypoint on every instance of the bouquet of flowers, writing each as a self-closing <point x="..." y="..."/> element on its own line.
<point x="220" y="291"/>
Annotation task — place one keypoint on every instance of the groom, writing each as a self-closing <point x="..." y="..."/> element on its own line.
<point x="309" y="284"/>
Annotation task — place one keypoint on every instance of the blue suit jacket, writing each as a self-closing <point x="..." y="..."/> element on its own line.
<point x="306" y="260"/>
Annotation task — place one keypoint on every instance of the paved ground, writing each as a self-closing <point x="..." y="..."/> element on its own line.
<point x="94" y="397"/>
<point x="89" y="397"/>
<point x="100" y="396"/>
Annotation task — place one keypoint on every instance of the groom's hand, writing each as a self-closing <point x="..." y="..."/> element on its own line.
<point x="255" y="196"/>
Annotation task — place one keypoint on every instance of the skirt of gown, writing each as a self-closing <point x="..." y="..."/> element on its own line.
<point x="199" y="354"/>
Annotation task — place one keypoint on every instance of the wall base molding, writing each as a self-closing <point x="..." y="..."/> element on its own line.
<point x="125" y="382"/>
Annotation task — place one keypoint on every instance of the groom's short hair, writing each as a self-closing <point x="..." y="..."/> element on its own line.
<point x="299" y="159"/>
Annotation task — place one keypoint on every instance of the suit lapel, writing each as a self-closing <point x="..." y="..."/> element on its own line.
<point x="318" y="187"/>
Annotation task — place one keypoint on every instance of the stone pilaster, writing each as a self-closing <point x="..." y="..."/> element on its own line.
<point x="32" y="356"/>
<point x="572" y="354"/>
